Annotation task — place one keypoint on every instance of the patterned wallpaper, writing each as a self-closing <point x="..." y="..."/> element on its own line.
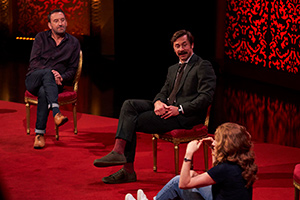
<point x="31" y="16"/>
<point x="264" y="32"/>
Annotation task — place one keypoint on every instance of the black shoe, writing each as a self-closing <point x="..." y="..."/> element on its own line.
<point x="121" y="176"/>
<point x="111" y="159"/>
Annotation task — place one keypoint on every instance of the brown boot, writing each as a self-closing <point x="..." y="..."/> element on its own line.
<point x="59" y="119"/>
<point x="39" y="142"/>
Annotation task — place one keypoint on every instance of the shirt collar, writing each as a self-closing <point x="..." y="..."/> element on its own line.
<point x="187" y="61"/>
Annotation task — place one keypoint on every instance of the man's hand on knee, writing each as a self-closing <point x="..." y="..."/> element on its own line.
<point x="57" y="76"/>
<point x="171" y="111"/>
<point x="160" y="108"/>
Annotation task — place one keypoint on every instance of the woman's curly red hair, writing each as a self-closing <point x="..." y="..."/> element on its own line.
<point x="233" y="144"/>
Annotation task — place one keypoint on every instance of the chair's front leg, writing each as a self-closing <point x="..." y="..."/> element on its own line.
<point x="176" y="156"/>
<point x="27" y="118"/>
<point x="75" y="118"/>
<point x="205" y="151"/>
<point x="56" y="131"/>
<point x="154" y="149"/>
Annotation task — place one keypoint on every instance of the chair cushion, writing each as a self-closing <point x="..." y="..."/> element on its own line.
<point x="66" y="95"/>
<point x="29" y="95"/>
<point x="197" y="130"/>
<point x="296" y="174"/>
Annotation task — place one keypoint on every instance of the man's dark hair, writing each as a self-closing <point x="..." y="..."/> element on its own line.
<point x="181" y="33"/>
<point x="55" y="11"/>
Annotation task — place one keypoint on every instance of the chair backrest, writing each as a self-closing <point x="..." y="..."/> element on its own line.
<point x="78" y="73"/>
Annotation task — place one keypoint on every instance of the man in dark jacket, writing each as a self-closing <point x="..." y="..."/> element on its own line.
<point x="181" y="103"/>
<point x="53" y="63"/>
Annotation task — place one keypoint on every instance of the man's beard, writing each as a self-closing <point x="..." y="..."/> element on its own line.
<point x="62" y="32"/>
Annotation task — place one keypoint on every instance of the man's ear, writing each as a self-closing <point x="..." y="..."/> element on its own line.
<point x="49" y="25"/>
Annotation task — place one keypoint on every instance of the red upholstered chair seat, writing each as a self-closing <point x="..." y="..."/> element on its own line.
<point x="66" y="95"/>
<point x="29" y="95"/>
<point x="296" y="177"/>
<point x="196" y="131"/>
<point x="178" y="136"/>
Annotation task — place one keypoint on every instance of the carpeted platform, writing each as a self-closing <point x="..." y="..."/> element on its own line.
<point x="64" y="169"/>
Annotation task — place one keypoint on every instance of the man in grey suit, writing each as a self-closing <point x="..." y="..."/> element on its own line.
<point x="181" y="103"/>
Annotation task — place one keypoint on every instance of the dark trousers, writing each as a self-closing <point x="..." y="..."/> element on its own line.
<point x="138" y="116"/>
<point x="42" y="84"/>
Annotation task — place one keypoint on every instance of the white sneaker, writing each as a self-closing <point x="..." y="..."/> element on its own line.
<point x="141" y="195"/>
<point x="129" y="197"/>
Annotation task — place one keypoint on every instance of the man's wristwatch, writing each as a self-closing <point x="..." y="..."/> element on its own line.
<point x="180" y="110"/>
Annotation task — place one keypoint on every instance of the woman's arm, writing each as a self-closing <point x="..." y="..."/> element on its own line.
<point x="186" y="181"/>
<point x="211" y="143"/>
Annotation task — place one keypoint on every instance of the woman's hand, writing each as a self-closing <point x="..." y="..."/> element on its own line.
<point x="209" y="141"/>
<point x="192" y="147"/>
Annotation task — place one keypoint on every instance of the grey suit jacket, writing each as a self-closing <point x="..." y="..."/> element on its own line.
<point x="195" y="91"/>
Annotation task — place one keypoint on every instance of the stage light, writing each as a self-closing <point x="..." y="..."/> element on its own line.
<point x="24" y="38"/>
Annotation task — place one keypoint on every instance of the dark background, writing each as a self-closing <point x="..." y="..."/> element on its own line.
<point x="142" y="36"/>
<point x="264" y="100"/>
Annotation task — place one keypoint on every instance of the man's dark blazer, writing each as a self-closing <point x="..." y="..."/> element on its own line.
<point x="195" y="91"/>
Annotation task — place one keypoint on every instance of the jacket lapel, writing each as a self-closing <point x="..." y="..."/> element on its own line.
<point x="187" y="70"/>
<point x="185" y="73"/>
<point x="173" y="78"/>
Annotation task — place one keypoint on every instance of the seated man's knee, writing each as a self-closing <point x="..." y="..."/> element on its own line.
<point x="48" y="73"/>
<point x="128" y="103"/>
<point x="136" y="106"/>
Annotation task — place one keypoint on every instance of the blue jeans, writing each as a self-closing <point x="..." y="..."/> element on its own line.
<point x="42" y="84"/>
<point x="172" y="191"/>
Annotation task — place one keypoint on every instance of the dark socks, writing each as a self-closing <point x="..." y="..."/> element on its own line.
<point x="129" y="168"/>
<point x="55" y="110"/>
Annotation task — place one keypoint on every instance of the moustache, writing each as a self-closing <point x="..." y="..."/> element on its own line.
<point x="182" y="53"/>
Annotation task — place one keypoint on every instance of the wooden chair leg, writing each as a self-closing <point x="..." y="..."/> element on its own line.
<point x="205" y="151"/>
<point x="56" y="131"/>
<point x="75" y="118"/>
<point x="27" y="118"/>
<point x="176" y="156"/>
<point x="154" y="149"/>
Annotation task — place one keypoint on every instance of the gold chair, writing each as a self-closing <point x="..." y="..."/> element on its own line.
<point x="68" y="96"/>
<point x="179" y="136"/>
<point x="296" y="181"/>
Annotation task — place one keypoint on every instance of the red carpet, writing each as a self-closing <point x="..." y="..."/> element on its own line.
<point x="64" y="169"/>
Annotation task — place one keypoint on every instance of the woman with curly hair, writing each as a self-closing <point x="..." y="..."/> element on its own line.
<point x="231" y="177"/>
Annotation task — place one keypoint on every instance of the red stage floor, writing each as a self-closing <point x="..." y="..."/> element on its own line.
<point x="64" y="169"/>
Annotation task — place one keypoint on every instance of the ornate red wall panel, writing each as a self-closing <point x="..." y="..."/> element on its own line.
<point x="264" y="32"/>
<point x="31" y="16"/>
<point x="285" y="32"/>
